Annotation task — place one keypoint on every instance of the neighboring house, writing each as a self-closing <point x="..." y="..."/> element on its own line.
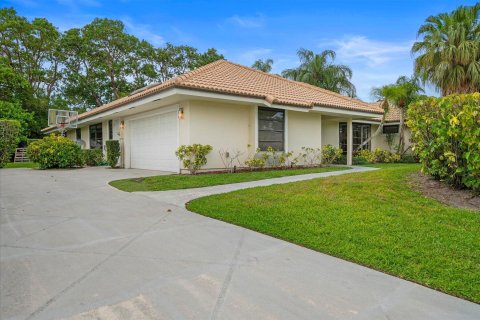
<point x="230" y="107"/>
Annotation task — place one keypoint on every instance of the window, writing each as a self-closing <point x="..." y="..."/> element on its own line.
<point x="110" y="129"/>
<point x="390" y="129"/>
<point x="361" y="132"/>
<point x="78" y="134"/>
<point x="271" y="129"/>
<point x="96" y="141"/>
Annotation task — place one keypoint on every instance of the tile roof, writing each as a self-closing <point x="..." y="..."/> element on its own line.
<point x="230" y="78"/>
<point x="393" y="114"/>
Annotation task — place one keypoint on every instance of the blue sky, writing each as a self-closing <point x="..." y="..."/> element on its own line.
<point x="372" y="37"/>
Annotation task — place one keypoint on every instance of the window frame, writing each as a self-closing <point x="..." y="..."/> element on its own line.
<point x="356" y="127"/>
<point x="98" y="131"/>
<point x="78" y="134"/>
<point x="390" y="126"/>
<point x="262" y="144"/>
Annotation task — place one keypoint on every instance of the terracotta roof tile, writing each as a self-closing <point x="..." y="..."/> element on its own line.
<point x="393" y="114"/>
<point x="230" y="78"/>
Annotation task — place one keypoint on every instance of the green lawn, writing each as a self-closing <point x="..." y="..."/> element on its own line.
<point x="174" y="182"/>
<point x="373" y="218"/>
<point x="12" y="165"/>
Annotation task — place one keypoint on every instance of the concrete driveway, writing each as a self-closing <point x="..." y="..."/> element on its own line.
<point x="72" y="247"/>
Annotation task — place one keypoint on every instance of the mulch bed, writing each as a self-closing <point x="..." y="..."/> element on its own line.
<point x="444" y="193"/>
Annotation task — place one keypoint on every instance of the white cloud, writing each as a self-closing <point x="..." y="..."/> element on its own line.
<point x="143" y="31"/>
<point x="256" y="21"/>
<point x="374" y="62"/>
<point x="373" y="52"/>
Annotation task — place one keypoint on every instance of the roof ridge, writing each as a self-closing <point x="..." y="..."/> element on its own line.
<point x="195" y="71"/>
<point x="304" y="84"/>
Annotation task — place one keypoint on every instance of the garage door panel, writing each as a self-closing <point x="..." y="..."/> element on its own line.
<point x="153" y="141"/>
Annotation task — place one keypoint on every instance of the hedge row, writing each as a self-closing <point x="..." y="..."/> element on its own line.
<point x="446" y="132"/>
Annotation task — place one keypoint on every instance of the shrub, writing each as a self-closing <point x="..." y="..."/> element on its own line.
<point x="14" y="111"/>
<point x="357" y="160"/>
<point x="379" y="156"/>
<point x="446" y="135"/>
<point x="285" y="159"/>
<point x="255" y="163"/>
<point x="230" y="158"/>
<point x="408" y="158"/>
<point x="55" y="152"/>
<point x="113" y="152"/>
<point x="9" y="138"/>
<point x="258" y="160"/>
<point x="341" y="160"/>
<point x="330" y="154"/>
<point x="272" y="157"/>
<point x="92" y="157"/>
<point x="194" y="156"/>
<point x="311" y="156"/>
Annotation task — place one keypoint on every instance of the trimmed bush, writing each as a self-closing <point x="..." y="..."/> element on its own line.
<point x="113" y="152"/>
<point x="358" y="160"/>
<point x="9" y="138"/>
<point x="379" y="156"/>
<point x="341" y="160"/>
<point x="92" y="157"/>
<point x="446" y="135"/>
<point x="409" y="158"/>
<point x="55" y="152"/>
<point x="194" y="156"/>
<point x="330" y="154"/>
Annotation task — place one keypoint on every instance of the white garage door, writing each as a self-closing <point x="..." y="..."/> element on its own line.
<point x="153" y="141"/>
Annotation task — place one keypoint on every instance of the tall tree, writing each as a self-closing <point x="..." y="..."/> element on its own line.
<point x="399" y="95"/>
<point x="31" y="49"/>
<point x="170" y="60"/>
<point x="449" y="52"/>
<point x="101" y="60"/>
<point x="209" y="56"/>
<point x="319" y="70"/>
<point x="15" y="97"/>
<point x="263" y="65"/>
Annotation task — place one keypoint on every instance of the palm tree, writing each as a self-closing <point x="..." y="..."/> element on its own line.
<point x="449" y="53"/>
<point x="263" y="65"/>
<point x="400" y="95"/>
<point x="319" y="70"/>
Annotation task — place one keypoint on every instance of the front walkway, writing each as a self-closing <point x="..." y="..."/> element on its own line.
<point x="73" y="247"/>
<point x="180" y="197"/>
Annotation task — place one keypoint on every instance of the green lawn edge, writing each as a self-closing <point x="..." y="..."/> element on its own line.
<point x="17" y="165"/>
<point x="383" y="224"/>
<point x="178" y="182"/>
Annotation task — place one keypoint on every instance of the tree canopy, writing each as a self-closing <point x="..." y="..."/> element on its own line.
<point x="319" y="70"/>
<point x="81" y="68"/>
<point x="448" y="55"/>
<point x="263" y="65"/>
<point x="400" y="95"/>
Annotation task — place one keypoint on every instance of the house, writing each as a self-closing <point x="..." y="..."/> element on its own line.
<point x="231" y="107"/>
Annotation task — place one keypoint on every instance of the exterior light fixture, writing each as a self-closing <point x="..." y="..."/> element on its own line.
<point x="122" y="124"/>
<point x="180" y="113"/>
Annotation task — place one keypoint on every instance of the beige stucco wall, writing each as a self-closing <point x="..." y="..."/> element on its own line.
<point x="304" y="129"/>
<point x="380" y="141"/>
<point x="86" y="136"/>
<point x="184" y="124"/>
<point x="222" y="125"/>
<point x="330" y="134"/>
